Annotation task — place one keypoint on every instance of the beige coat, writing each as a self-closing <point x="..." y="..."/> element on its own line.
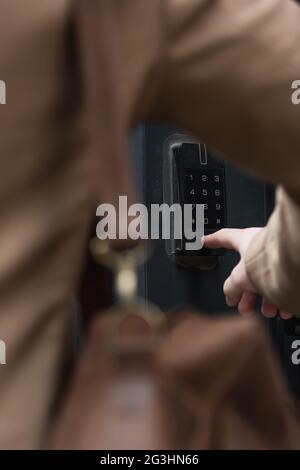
<point x="222" y="69"/>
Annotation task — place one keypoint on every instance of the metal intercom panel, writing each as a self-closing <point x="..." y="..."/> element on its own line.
<point x="194" y="177"/>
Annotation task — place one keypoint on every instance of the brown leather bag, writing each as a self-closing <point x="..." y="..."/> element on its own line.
<point x="149" y="381"/>
<point x="206" y="383"/>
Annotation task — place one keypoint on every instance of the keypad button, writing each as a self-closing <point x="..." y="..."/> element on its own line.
<point x="190" y="177"/>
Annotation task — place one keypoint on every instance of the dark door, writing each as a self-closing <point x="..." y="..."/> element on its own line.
<point x="249" y="202"/>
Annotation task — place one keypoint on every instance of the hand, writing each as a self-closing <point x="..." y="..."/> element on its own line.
<point x="238" y="289"/>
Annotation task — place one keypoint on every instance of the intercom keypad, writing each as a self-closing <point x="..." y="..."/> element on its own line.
<point x="198" y="176"/>
<point x="207" y="187"/>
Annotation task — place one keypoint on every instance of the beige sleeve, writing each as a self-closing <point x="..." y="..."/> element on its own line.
<point x="223" y="71"/>
<point x="273" y="258"/>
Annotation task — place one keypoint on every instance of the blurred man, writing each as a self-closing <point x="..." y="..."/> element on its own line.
<point x="221" y="69"/>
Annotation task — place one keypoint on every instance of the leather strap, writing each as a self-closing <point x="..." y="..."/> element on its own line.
<point x="98" y="38"/>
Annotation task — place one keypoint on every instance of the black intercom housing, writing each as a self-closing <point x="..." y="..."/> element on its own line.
<point x="199" y="178"/>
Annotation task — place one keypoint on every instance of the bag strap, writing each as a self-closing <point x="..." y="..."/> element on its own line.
<point x="98" y="42"/>
<point x="97" y="39"/>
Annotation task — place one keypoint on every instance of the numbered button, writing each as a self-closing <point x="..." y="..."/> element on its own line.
<point x="190" y="177"/>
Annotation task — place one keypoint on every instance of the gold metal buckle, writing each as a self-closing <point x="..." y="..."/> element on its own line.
<point x="124" y="264"/>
